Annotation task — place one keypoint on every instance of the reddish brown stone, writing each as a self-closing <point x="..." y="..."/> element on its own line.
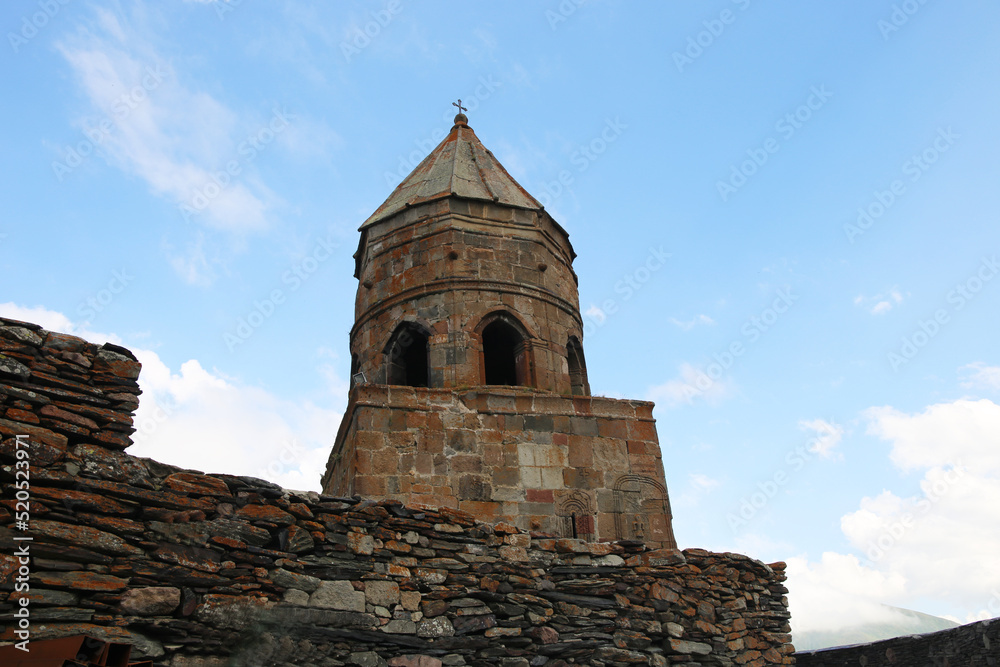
<point x="18" y="415"/>
<point x="9" y="429"/>
<point x="540" y="496"/>
<point x="84" y="536"/>
<point x="197" y="485"/>
<point x="66" y="416"/>
<point x="98" y="414"/>
<point x="74" y="500"/>
<point x="113" y="524"/>
<point x="544" y="634"/>
<point x="114" y="439"/>
<point x="117" y="364"/>
<point x="146" y="496"/>
<point x="79" y="581"/>
<point x="265" y="513"/>
<point x="194" y="558"/>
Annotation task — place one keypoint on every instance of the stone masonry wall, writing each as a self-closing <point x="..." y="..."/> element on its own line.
<point x="216" y="570"/>
<point x="579" y="466"/>
<point x="450" y="263"/>
<point x="972" y="645"/>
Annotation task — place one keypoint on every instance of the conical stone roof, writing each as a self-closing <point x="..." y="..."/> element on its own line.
<point x="460" y="166"/>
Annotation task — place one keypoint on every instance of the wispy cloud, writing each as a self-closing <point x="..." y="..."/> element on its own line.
<point x="167" y="134"/>
<point x="692" y="385"/>
<point x="827" y="437"/>
<point x="152" y="122"/>
<point x="980" y="376"/>
<point x="692" y="323"/>
<point x="880" y="303"/>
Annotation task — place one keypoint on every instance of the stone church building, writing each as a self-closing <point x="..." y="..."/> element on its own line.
<point x="470" y="386"/>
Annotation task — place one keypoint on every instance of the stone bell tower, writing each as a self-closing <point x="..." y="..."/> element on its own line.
<point x="470" y="384"/>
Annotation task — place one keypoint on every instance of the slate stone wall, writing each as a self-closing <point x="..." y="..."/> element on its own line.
<point x="972" y="645"/>
<point x="216" y="570"/>
<point x="581" y="466"/>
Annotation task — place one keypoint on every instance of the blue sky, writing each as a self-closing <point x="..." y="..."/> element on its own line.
<point x="187" y="178"/>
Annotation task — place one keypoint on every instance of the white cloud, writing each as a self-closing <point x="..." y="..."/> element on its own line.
<point x="200" y="419"/>
<point x="839" y="592"/>
<point x="690" y="385"/>
<point x="691" y="324"/>
<point x="691" y="494"/>
<point x="880" y="303"/>
<point x="937" y="544"/>
<point x="963" y="432"/>
<point x="980" y="376"/>
<point x="828" y="436"/>
<point x="191" y="264"/>
<point x="702" y="482"/>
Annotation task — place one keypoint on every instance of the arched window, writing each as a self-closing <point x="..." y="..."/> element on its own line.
<point x="505" y="353"/>
<point x="407" y="356"/>
<point x="577" y="367"/>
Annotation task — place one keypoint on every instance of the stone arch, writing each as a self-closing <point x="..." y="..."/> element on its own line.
<point x="642" y="510"/>
<point x="577" y="367"/>
<point x="577" y="512"/>
<point x="505" y="356"/>
<point x="407" y="356"/>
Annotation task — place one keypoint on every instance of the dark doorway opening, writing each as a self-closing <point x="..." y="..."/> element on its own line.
<point x="503" y="354"/>
<point x="407" y="357"/>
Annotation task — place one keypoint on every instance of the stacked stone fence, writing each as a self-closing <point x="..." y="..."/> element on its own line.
<point x="972" y="645"/>
<point x="197" y="569"/>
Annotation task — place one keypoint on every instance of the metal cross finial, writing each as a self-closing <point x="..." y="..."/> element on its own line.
<point x="459" y="105"/>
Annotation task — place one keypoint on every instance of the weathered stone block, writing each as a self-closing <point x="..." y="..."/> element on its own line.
<point x="337" y="595"/>
<point x="382" y="593"/>
<point x="150" y="601"/>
